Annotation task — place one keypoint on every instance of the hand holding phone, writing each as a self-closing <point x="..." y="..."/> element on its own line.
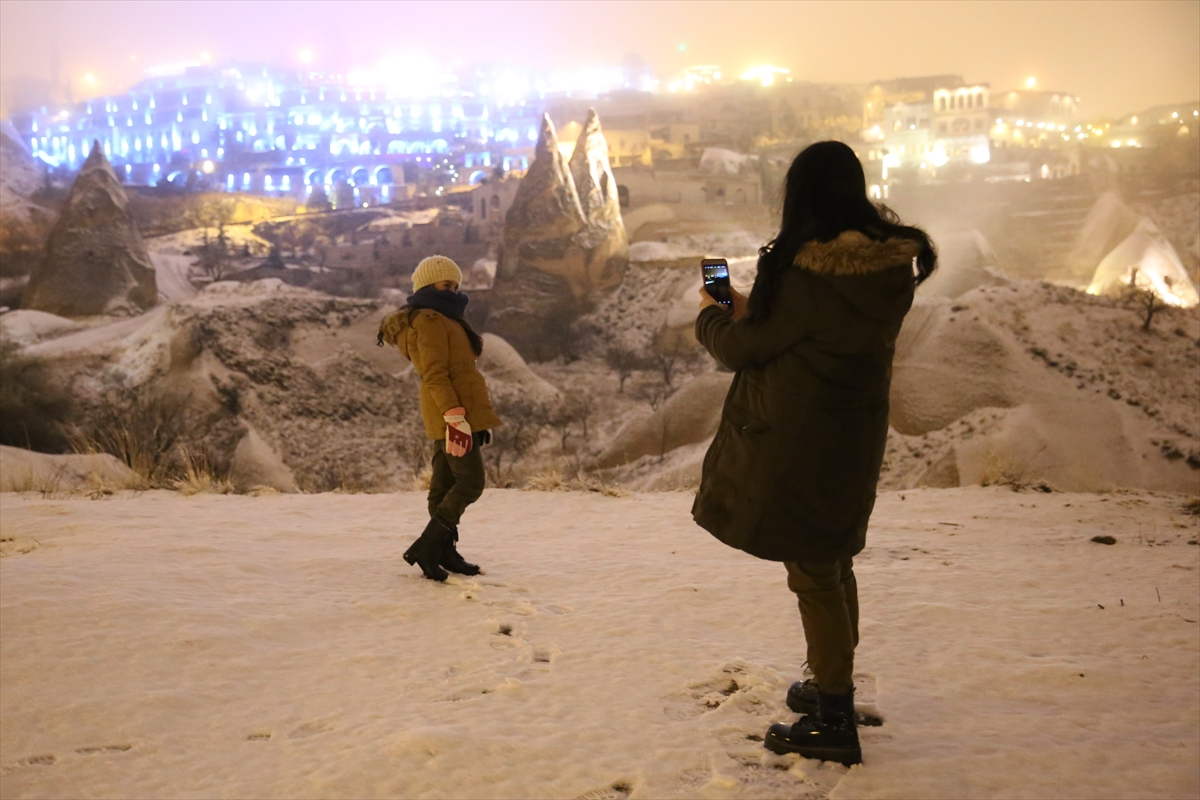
<point x="716" y="280"/>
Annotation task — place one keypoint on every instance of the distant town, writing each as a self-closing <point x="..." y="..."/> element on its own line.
<point x="382" y="138"/>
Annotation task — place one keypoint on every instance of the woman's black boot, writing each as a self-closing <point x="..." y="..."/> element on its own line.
<point x="828" y="735"/>
<point x="802" y="698"/>
<point x="453" y="560"/>
<point x="426" y="551"/>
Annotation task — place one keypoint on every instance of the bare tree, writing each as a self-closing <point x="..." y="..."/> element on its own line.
<point x="654" y="393"/>
<point x="524" y="420"/>
<point x="561" y="332"/>
<point x="214" y="253"/>
<point x="670" y="355"/>
<point x="622" y="361"/>
<point x="1144" y="299"/>
<point x="573" y="411"/>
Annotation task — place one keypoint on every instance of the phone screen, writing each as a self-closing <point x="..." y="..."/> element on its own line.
<point x="716" y="280"/>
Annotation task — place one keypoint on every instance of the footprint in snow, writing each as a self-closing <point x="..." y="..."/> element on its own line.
<point x="618" y="791"/>
<point x="104" y="748"/>
<point x="739" y="686"/>
<point x="700" y="697"/>
<point x="310" y="728"/>
<point x="508" y="635"/>
<point x="514" y="606"/>
<point x="866" y="709"/>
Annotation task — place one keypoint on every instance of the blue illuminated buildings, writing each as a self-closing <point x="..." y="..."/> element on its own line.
<point x="283" y="132"/>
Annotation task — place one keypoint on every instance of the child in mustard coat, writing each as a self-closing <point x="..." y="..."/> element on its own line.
<point x="430" y="331"/>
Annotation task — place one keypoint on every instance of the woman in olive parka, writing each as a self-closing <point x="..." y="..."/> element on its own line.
<point x="792" y="471"/>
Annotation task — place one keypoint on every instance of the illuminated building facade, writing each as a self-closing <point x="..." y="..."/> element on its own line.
<point x="272" y="131"/>
<point x="1033" y="118"/>
<point x="926" y="125"/>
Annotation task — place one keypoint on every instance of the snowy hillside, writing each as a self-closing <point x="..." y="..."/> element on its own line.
<point x="278" y="647"/>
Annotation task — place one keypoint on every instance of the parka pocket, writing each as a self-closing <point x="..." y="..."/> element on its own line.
<point x="735" y="477"/>
<point x="744" y="437"/>
<point x="744" y="422"/>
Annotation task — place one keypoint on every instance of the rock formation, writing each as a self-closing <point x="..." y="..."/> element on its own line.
<point x="20" y="176"/>
<point x="603" y="236"/>
<point x="96" y="262"/>
<point x="966" y="261"/>
<point x="1146" y="259"/>
<point x="507" y="373"/>
<point x="1108" y="224"/>
<point x="689" y="416"/>
<point x="563" y="241"/>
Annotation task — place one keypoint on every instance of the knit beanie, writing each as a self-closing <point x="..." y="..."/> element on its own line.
<point x="434" y="269"/>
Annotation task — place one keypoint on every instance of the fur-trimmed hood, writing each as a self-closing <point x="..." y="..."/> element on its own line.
<point x="875" y="277"/>
<point x="854" y="253"/>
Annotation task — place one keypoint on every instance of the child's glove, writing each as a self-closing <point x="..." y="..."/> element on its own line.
<point x="458" y="432"/>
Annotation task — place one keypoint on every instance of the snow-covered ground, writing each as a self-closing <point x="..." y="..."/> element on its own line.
<point x="157" y="645"/>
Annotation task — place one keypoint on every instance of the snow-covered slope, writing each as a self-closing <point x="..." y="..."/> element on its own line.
<point x="166" y="646"/>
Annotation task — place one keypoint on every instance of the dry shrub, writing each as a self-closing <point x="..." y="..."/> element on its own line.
<point x="422" y="479"/>
<point x="1192" y="506"/>
<point x="524" y="422"/>
<point x="1003" y="470"/>
<point x="35" y="402"/>
<point x="553" y="481"/>
<point x="153" y="434"/>
<point x="199" y="476"/>
<point x="1000" y="469"/>
<point x="49" y="486"/>
<point x="548" y="481"/>
<point x="349" y="478"/>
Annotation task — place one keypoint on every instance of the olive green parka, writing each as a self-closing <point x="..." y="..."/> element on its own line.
<point x="792" y="471"/>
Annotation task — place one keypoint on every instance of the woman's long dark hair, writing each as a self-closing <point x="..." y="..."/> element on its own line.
<point x="825" y="194"/>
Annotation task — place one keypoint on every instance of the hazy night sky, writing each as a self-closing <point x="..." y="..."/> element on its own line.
<point x="1118" y="56"/>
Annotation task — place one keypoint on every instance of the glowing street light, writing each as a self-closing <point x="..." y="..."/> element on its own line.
<point x="1031" y="83"/>
<point x="306" y="56"/>
<point x="764" y="74"/>
<point x="207" y="167"/>
<point x="89" y="79"/>
<point x="205" y="57"/>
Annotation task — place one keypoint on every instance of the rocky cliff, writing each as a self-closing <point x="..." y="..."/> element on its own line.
<point x="563" y="242"/>
<point x="96" y="262"/>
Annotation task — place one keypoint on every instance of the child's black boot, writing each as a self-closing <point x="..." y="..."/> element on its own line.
<point x="427" y="550"/>
<point x="453" y="560"/>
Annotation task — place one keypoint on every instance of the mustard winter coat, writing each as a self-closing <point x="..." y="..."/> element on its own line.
<point x="441" y="354"/>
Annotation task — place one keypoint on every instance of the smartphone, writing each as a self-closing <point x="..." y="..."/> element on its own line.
<point x="716" y="280"/>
